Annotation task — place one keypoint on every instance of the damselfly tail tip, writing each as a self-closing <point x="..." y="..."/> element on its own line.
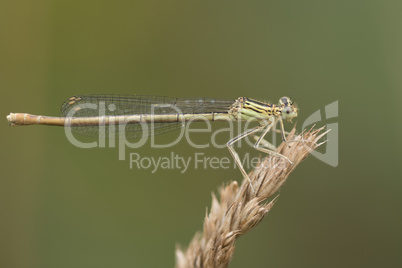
<point x="11" y="119"/>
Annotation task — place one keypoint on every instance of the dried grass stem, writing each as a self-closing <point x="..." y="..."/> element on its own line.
<point x="240" y="209"/>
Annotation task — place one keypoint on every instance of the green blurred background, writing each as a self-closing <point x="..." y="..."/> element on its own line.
<point x="63" y="206"/>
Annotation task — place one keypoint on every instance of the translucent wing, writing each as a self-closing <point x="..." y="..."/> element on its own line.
<point x="114" y="105"/>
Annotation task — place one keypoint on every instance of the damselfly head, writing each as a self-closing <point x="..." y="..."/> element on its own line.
<point x="289" y="109"/>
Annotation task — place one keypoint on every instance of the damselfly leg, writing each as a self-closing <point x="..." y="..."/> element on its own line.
<point x="236" y="157"/>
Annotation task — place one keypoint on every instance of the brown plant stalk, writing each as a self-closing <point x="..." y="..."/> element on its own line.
<point x="240" y="209"/>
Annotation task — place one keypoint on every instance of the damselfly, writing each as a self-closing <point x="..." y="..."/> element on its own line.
<point x="164" y="114"/>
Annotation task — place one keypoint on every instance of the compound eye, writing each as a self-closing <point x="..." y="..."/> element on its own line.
<point x="284" y="101"/>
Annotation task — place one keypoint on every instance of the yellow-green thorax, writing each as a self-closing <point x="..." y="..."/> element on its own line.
<point x="249" y="109"/>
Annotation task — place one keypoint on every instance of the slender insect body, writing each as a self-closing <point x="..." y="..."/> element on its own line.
<point x="164" y="114"/>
